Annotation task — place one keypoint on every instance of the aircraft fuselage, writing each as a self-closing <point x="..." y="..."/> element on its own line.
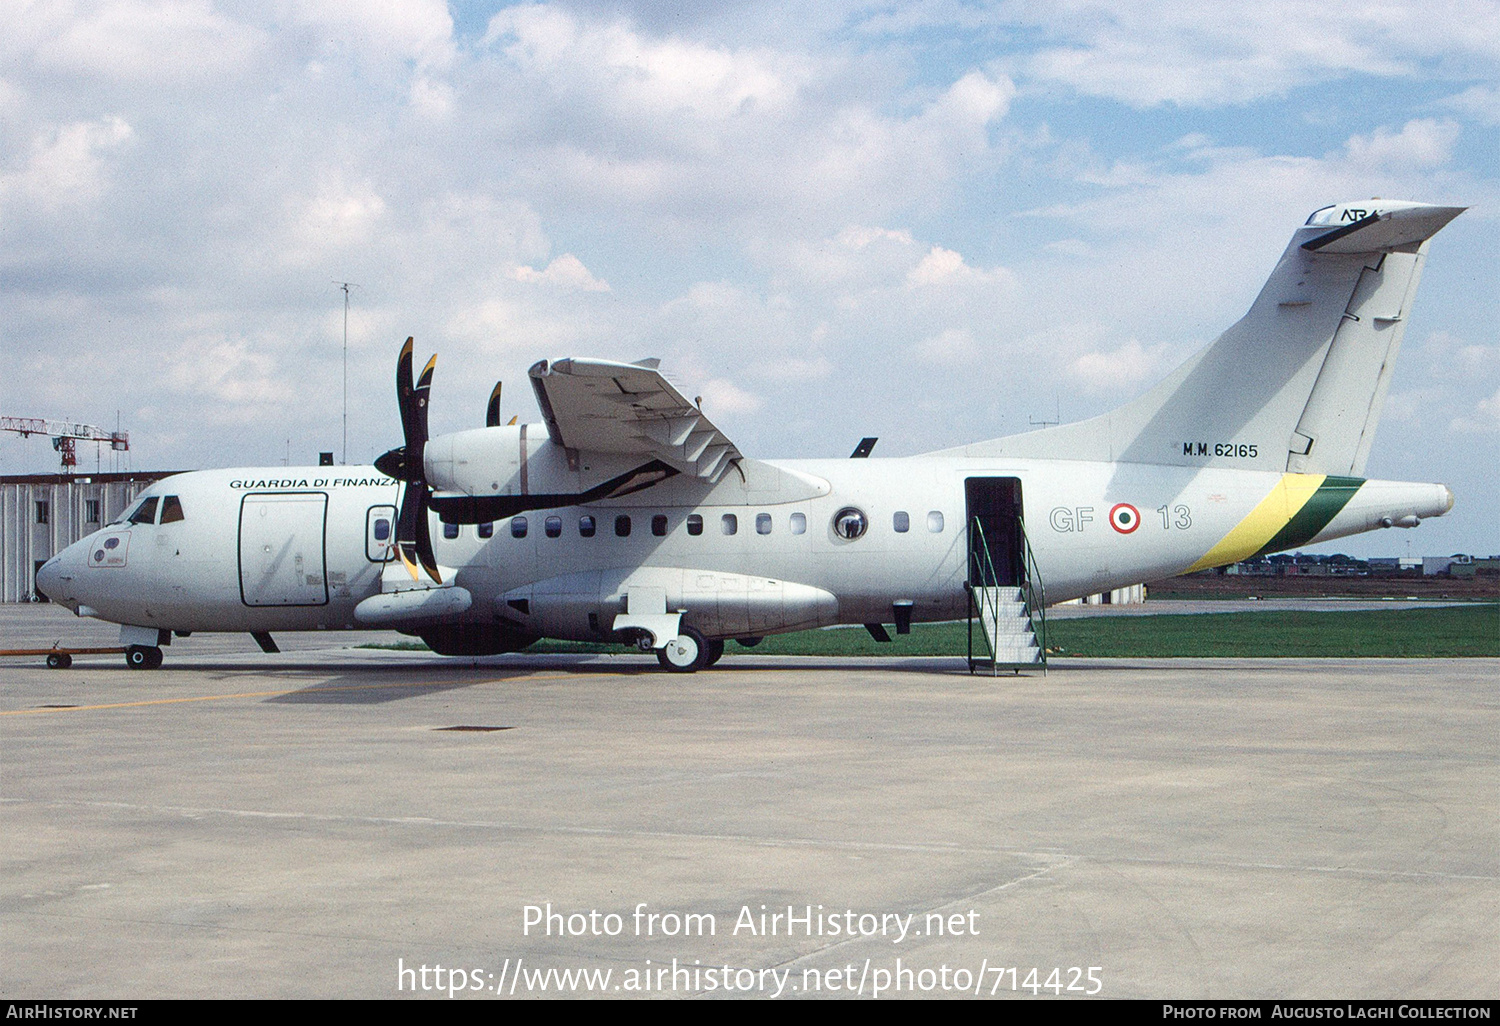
<point x="280" y="548"/>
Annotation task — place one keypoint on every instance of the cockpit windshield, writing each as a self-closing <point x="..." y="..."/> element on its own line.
<point x="145" y="513"/>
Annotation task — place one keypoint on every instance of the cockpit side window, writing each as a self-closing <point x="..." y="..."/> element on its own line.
<point x="145" y="513"/>
<point x="171" y="510"/>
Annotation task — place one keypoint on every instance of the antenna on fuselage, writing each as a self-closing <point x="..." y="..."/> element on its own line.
<point x="1048" y="423"/>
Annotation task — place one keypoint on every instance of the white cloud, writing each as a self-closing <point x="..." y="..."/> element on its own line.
<point x="942" y="267"/>
<point x="66" y="166"/>
<point x="411" y="30"/>
<point x="1150" y="52"/>
<point x="1481" y="102"/>
<point x="723" y="396"/>
<point x="1108" y="372"/>
<point x="1484" y="419"/>
<point x="1422" y="143"/>
<point x="149" y="41"/>
<point x="567" y="271"/>
<point x="950" y="346"/>
<point x="338" y="216"/>
<point x="622" y="69"/>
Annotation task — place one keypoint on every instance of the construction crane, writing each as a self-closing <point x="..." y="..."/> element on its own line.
<point x="66" y="436"/>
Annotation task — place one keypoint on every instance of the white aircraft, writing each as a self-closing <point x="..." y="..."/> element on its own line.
<point x="628" y="516"/>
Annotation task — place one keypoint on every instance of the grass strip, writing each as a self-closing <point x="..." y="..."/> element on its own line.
<point x="1451" y="631"/>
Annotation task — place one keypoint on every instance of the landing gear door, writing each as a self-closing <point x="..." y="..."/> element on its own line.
<point x="281" y="549"/>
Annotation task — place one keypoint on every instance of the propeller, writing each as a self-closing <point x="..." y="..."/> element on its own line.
<point x="413" y="536"/>
<point x="492" y="411"/>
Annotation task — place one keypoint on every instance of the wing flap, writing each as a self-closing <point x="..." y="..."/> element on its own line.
<point x="629" y="408"/>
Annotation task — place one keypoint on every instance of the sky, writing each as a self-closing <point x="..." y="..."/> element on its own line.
<point x="934" y="222"/>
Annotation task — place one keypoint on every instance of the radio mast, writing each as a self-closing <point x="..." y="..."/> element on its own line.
<point x="346" y="286"/>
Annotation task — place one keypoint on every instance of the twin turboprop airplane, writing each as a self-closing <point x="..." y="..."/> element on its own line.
<point x="628" y="515"/>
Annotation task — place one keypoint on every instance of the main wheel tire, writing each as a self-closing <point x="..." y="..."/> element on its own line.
<point x="59" y="661"/>
<point x="715" y="652"/>
<point x="143" y="657"/>
<point x="685" y="653"/>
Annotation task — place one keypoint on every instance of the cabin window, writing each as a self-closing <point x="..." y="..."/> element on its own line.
<point x="901" y="521"/>
<point x="553" y="527"/>
<point x="486" y="529"/>
<point x="729" y="524"/>
<point x="145" y="513"/>
<point x="695" y="524"/>
<point x="90" y="511"/>
<point x="586" y="527"/>
<point x="850" y="523"/>
<point x="379" y="526"/>
<point x="450" y="531"/>
<point x="518" y="527"/>
<point x="762" y="523"/>
<point x="799" y="523"/>
<point x="659" y="525"/>
<point x="935" y="522"/>
<point x="622" y="526"/>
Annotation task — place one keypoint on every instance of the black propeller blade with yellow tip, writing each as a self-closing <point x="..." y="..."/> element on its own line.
<point x="492" y="411"/>
<point x="413" y="537"/>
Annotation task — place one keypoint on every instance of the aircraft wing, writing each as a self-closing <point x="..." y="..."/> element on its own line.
<point x="629" y="409"/>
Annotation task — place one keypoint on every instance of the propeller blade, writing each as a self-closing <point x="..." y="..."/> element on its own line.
<point x="413" y="534"/>
<point x="425" y="555"/>
<point x="492" y="411"/>
<point x="413" y="401"/>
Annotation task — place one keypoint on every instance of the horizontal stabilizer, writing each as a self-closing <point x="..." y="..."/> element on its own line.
<point x="1375" y="226"/>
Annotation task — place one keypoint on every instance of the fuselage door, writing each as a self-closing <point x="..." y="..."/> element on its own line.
<point x="995" y="502"/>
<point x="281" y="549"/>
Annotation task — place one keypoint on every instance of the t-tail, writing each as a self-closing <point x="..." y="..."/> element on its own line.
<point x="1296" y="386"/>
<point x="1298" y="383"/>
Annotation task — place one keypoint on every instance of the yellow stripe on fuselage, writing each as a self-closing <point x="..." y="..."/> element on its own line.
<point x="1263" y="522"/>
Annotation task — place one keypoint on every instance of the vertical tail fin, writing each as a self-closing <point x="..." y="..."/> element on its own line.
<point x="1298" y="383"/>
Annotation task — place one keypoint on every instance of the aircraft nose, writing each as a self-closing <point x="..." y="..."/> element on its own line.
<point x="47" y="578"/>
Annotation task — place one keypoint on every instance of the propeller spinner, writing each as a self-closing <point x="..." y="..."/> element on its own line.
<point x="413" y="536"/>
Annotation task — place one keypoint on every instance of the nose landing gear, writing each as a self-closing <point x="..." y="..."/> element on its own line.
<point x="143" y="657"/>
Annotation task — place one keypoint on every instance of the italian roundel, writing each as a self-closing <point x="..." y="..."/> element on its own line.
<point x="1124" y="517"/>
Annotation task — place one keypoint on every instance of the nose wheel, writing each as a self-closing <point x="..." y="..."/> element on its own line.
<point x="143" y="657"/>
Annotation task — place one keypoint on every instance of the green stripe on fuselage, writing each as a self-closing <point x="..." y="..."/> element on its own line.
<point x="1333" y="495"/>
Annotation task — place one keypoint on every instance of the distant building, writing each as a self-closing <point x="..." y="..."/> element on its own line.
<point x="1476" y="566"/>
<point x="1133" y="594"/>
<point x="42" y="514"/>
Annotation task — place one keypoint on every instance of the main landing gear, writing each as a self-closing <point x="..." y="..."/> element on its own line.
<point x="690" y="651"/>
<point x="142" y="657"/>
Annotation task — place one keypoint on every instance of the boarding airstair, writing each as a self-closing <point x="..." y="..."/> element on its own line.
<point x="1012" y="618"/>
